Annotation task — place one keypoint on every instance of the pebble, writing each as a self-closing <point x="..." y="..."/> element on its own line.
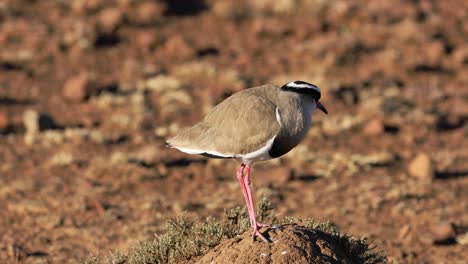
<point x="443" y="233"/>
<point x="31" y="121"/>
<point x="161" y="131"/>
<point x="4" y="121"/>
<point x="181" y="97"/>
<point x="109" y="19"/>
<point x="460" y="54"/>
<point x="149" y="12"/>
<point x="333" y="126"/>
<point x="192" y="70"/>
<point x="119" y="157"/>
<point x="76" y="88"/>
<point x="404" y="231"/>
<point x="463" y="239"/>
<point x="162" y="83"/>
<point x="61" y="159"/>
<point x="421" y="167"/>
<point x="374" y="127"/>
<point x="273" y="6"/>
<point x="231" y="9"/>
<point x="147" y="155"/>
<point x="435" y="52"/>
<point x="177" y="48"/>
<point x="145" y="39"/>
<point x="35" y="122"/>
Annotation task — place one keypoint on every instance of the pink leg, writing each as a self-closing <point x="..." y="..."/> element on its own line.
<point x="240" y="178"/>
<point x="250" y="203"/>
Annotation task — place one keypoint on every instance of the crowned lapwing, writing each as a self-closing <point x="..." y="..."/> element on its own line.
<point x="255" y="124"/>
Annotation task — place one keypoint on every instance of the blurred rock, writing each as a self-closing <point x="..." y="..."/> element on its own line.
<point x="285" y="6"/>
<point x="16" y="59"/>
<point x="145" y="39"/>
<point x="275" y="7"/>
<point x="28" y="206"/>
<point x="76" y="88"/>
<point x="193" y="70"/>
<point x="171" y="94"/>
<point x="53" y="137"/>
<point x="34" y="121"/>
<point x="179" y="96"/>
<point x="163" y="83"/>
<point x="174" y="128"/>
<point x="119" y="157"/>
<point x="109" y="100"/>
<point x="109" y="19"/>
<point x="122" y="120"/>
<point x="383" y="158"/>
<point x="460" y="54"/>
<point x="374" y="127"/>
<point x="61" y="159"/>
<point x="443" y="234"/>
<point x="146" y="155"/>
<point x="4" y="121"/>
<point x="149" y="12"/>
<point x="435" y="52"/>
<point x="404" y="231"/>
<point x="177" y="48"/>
<point x="235" y="10"/>
<point x="76" y="36"/>
<point x="161" y="131"/>
<point x="140" y="104"/>
<point x="463" y="239"/>
<point x="333" y="126"/>
<point x="421" y="167"/>
<point x="85" y="6"/>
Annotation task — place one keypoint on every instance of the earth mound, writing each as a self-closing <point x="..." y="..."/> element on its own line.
<point x="291" y="243"/>
<point x="229" y="240"/>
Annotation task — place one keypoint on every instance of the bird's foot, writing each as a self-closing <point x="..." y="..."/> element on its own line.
<point x="256" y="233"/>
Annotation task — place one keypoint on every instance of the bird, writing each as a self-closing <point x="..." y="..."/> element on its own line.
<point x="254" y="124"/>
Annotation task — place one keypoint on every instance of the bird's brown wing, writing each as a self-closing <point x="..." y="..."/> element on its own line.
<point x="241" y="124"/>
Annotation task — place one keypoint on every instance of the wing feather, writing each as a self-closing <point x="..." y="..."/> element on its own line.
<point x="241" y="124"/>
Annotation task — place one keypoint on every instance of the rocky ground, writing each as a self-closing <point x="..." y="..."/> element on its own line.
<point x="90" y="89"/>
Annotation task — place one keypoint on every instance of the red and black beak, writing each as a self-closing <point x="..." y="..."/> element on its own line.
<point x="321" y="107"/>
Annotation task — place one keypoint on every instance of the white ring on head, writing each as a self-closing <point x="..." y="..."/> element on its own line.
<point x="303" y="85"/>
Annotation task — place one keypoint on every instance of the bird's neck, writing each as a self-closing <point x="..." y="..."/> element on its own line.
<point x="296" y="111"/>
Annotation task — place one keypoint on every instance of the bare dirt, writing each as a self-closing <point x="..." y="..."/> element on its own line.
<point x="290" y="244"/>
<point x="90" y="89"/>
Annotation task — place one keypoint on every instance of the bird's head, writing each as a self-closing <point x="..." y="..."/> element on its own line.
<point x="302" y="87"/>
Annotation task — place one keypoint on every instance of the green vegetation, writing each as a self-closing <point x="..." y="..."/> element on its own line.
<point x="186" y="238"/>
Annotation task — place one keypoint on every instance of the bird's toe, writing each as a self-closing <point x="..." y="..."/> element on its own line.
<point x="256" y="233"/>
